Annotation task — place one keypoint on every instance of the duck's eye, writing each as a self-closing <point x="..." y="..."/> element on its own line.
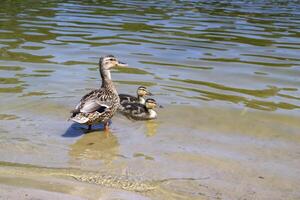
<point x="112" y="59"/>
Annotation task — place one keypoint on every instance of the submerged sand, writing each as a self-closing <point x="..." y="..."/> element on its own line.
<point x="188" y="153"/>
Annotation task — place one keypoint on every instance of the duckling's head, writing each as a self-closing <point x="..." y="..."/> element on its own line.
<point x="110" y="61"/>
<point x="142" y="91"/>
<point x="150" y="103"/>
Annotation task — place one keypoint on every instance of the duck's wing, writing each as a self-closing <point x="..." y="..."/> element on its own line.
<point x="91" y="102"/>
<point x="93" y="105"/>
<point x="124" y="98"/>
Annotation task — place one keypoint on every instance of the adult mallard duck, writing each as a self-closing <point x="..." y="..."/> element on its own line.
<point x="101" y="104"/>
<point x="141" y="93"/>
<point x="139" y="111"/>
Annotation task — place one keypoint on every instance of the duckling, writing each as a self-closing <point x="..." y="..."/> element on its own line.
<point x="101" y="104"/>
<point x="139" y="111"/>
<point x="141" y="93"/>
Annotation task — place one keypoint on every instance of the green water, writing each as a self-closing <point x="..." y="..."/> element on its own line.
<point x="226" y="72"/>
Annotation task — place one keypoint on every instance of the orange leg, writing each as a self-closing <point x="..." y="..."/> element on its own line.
<point x="106" y="129"/>
<point x="106" y="126"/>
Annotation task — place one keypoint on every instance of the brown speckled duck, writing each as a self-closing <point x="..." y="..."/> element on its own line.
<point x="101" y="104"/>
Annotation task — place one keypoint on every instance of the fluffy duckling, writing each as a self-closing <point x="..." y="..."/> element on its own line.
<point x="141" y="93"/>
<point x="139" y="111"/>
<point x="101" y="104"/>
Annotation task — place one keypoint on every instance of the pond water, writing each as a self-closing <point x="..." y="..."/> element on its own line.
<point x="226" y="72"/>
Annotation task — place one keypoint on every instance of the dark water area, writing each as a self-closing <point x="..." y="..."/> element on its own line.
<point x="226" y="72"/>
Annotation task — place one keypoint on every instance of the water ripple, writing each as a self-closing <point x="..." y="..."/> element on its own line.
<point x="236" y="51"/>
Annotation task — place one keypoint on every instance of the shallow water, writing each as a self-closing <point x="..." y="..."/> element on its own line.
<point x="227" y="74"/>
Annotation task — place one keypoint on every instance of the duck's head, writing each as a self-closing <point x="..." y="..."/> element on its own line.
<point x="142" y="91"/>
<point x="150" y="103"/>
<point x="108" y="62"/>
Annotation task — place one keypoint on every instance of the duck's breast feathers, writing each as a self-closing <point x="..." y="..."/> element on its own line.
<point x="124" y="98"/>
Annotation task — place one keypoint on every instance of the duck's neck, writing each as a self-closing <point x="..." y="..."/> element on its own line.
<point x="106" y="77"/>
<point x="105" y="74"/>
<point x="141" y="100"/>
<point x="106" y="80"/>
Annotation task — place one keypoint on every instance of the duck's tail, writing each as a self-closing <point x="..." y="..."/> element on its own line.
<point x="79" y="118"/>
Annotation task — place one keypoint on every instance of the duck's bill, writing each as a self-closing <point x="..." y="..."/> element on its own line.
<point x="121" y="64"/>
<point x="149" y="93"/>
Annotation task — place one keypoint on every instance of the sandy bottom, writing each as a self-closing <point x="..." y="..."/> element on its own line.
<point x="188" y="153"/>
<point x="13" y="192"/>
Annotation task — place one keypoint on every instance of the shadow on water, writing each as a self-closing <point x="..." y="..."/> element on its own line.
<point x="76" y="130"/>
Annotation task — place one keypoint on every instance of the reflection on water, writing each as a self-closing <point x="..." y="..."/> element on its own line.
<point x="95" y="146"/>
<point x="91" y="145"/>
<point x="151" y="128"/>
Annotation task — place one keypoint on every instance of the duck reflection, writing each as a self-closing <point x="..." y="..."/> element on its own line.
<point x="151" y="128"/>
<point x="96" y="145"/>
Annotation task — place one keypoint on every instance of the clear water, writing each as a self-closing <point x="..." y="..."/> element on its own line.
<point x="226" y="72"/>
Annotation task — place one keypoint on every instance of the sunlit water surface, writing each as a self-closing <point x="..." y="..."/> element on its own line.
<point x="226" y="72"/>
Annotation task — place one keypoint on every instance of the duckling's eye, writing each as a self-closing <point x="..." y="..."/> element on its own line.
<point x="112" y="59"/>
